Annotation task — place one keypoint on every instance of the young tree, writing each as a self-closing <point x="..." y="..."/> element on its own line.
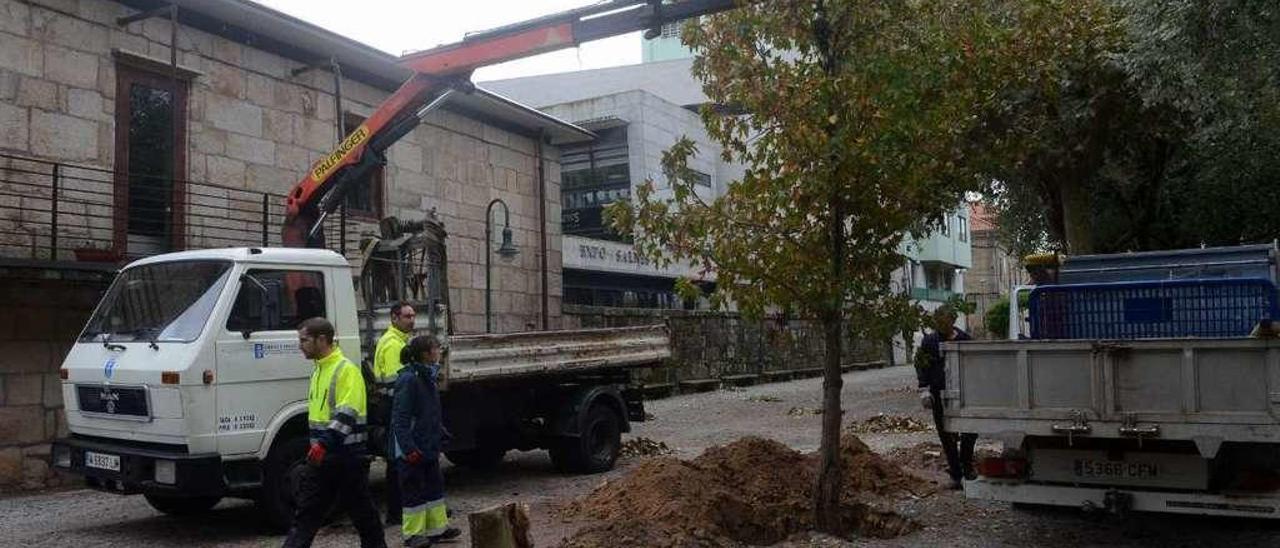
<point x="855" y="120"/>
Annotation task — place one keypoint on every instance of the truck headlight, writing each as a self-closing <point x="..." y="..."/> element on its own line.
<point x="166" y="472"/>
<point x="61" y="456"/>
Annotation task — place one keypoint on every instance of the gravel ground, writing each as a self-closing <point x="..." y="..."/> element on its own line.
<point x="688" y="425"/>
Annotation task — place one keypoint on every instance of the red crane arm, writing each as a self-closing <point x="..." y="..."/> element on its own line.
<point x="440" y="71"/>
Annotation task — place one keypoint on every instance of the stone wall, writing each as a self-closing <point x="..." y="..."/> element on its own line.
<point x="252" y="125"/>
<point x="994" y="273"/>
<point x="712" y="348"/>
<point x="41" y="312"/>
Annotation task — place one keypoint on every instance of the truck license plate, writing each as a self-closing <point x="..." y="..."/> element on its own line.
<point x="102" y="461"/>
<point x="1134" y="468"/>
<point x="1103" y="469"/>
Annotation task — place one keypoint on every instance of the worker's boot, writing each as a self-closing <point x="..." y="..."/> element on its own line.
<point x="448" y="535"/>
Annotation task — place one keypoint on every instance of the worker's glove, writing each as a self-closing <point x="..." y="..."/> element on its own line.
<point x="414" y="457"/>
<point x="926" y="398"/>
<point x="315" y="455"/>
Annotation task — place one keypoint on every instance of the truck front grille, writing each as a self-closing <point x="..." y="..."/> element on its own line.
<point x="124" y="401"/>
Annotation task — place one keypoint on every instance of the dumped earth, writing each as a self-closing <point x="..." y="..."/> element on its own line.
<point x="751" y="492"/>
<point x="890" y="424"/>
<point x="643" y="447"/>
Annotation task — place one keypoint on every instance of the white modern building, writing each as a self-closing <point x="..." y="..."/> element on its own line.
<point x="637" y="113"/>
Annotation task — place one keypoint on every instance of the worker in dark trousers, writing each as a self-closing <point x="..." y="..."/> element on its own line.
<point x="337" y="461"/>
<point x="418" y="434"/>
<point x="386" y="367"/>
<point x="931" y="372"/>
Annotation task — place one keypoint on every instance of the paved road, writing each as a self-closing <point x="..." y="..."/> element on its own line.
<point x="688" y="424"/>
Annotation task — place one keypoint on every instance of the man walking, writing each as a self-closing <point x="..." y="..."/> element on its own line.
<point x="386" y="366"/>
<point x="337" y="461"/>
<point x="932" y="375"/>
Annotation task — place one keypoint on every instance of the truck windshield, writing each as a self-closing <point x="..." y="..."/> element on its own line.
<point x="161" y="302"/>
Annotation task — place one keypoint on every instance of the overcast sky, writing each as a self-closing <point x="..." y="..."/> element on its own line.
<point x="401" y="26"/>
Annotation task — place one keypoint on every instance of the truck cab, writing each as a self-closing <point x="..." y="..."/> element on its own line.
<point x="189" y="368"/>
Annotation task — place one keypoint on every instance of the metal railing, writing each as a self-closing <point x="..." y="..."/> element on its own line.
<point x="935" y="295"/>
<point x="54" y="211"/>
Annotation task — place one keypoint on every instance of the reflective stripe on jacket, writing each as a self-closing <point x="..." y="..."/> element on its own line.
<point x="336" y="408"/>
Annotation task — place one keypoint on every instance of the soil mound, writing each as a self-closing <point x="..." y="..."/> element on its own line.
<point x="753" y="491"/>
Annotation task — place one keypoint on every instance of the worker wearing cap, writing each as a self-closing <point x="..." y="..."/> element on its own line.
<point x="386" y="367"/>
<point x="337" y="460"/>
<point x="932" y="376"/>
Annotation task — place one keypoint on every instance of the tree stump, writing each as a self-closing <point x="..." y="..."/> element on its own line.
<point x="503" y="526"/>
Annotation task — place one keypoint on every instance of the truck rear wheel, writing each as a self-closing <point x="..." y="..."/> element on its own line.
<point x="181" y="506"/>
<point x="279" y="473"/>
<point x="596" y="449"/>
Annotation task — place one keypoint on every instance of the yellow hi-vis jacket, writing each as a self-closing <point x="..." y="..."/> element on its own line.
<point x="386" y="359"/>
<point x="336" y="406"/>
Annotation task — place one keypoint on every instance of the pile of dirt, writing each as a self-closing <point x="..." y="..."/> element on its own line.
<point x="753" y="491"/>
<point x="889" y="424"/>
<point x="643" y="447"/>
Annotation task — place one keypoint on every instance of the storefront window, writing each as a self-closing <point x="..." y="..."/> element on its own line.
<point x="593" y="176"/>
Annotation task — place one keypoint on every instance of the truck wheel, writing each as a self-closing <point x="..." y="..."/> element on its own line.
<point x="286" y="459"/>
<point x="596" y="450"/>
<point x="181" y="506"/>
<point x="480" y="458"/>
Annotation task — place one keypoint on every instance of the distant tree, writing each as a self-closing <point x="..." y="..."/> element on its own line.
<point x="1159" y="128"/>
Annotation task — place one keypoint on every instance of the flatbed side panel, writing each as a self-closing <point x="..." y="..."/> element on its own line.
<point x="479" y="357"/>
<point x="1161" y="384"/>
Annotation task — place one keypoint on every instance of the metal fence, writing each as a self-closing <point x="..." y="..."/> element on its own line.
<point x="52" y="211"/>
<point x="1154" y="309"/>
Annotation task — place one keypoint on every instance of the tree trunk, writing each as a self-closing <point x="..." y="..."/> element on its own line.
<point x="827" y="494"/>
<point x="503" y="526"/>
<point x="1076" y="217"/>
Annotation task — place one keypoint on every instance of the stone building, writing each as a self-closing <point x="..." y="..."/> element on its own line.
<point x="108" y="152"/>
<point x="995" y="270"/>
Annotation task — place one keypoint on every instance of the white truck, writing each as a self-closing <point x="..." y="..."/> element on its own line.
<point x="187" y="384"/>
<point x="1139" y="388"/>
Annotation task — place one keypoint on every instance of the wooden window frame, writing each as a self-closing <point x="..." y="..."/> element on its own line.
<point x="129" y="72"/>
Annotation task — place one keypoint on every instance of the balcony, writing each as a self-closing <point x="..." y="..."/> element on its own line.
<point x="934" y="295"/>
<point x="53" y="212"/>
